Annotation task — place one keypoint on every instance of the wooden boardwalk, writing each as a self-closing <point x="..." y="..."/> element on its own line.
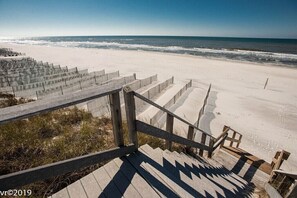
<point x="157" y="173"/>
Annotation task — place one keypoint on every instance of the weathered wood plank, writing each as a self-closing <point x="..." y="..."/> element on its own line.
<point x="130" y="115"/>
<point x="203" y="139"/>
<point x="187" y="174"/>
<point x="42" y="106"/>
<point x="61" y="194"/>
<point x="144" y="189"/>
<point x="183" y="189"/>
<point x="151" y="177"/>
<point x="169" y="129"/>
<point x="220" y="143"/>
<point x="107" y="185"/>
<point x="151" y="130"/>
<point x="211" y="148"/>
<point x="116" y="117"/>
<point x="233" y="138"/>
<point x="76" y="190"/>
<point x="20" y="178"/>
<point x="239" y="140"/>
<point x="91" y="186"/>
<point x="225" y="131"/>
<point x="190" y="135"/>
<point x="122" y="183"/>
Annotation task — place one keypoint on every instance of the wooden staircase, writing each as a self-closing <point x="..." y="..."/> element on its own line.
<point x="156" y="173"/>
<point x="142" y="171"/>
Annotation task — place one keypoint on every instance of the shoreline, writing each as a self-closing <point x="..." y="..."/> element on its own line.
<point x="169" y="53"/>
<point x="267" y="118"/>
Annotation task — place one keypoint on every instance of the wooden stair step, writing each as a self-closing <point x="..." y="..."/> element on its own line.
<point x="91" y="186"/>
<point x="76" y="190"/>
<point x="122" y="183"/>
<point x="61" y="194"/>
<point x="222" y="176"/>
<point x="240" y="168"/>
<point x="183" y="189"/>
<point x="107" y="185"/>
<point x="215" y="175"/>
<point x="199" y="183"/>
<point x="147" y="172"/>
<point x="143" y="188"/>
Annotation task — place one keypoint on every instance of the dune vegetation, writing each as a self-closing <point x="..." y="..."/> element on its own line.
<point x="56" y="136"/>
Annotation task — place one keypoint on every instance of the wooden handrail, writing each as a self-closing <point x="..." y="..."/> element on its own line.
<point x="220" y="142"/>
<point x="156" y="132"/>
<point x="169" y="112"/>
<point x="24" y="177"/>
<point x="22" y="111"/>
<point x="226" y="129"/>
<point x="289" y="174"/>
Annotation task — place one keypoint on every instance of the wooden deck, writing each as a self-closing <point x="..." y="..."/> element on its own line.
<point x="249" y="158"/>
<point x="157" y="173"/>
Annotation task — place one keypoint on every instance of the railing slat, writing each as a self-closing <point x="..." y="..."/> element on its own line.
<point x="21" y="178"/>
<point x="233" y="138"/>
<point x="190" y="136"/>
<point x="203" y="139"/>
<point x="154" y="131"/>
<point x="239" y="140"/>
<point x="169" y="129"/>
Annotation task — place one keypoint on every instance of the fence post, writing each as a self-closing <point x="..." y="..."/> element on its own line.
<point x="169" y="129"/>
<point x="266" y="83"/>
<point x="61" y="90"/>
<point x="239" y="140"/>
<point x="116" y="117"/>
<point x="203" y="139"/>
<point x="130" y="115"/>
<point x="80" y="85"/>
<point x="233" y="137"/>
<point x="190" y="135"/>
<point x="211" y="143"/>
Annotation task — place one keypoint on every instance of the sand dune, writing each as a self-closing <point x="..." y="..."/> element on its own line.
<point x="266" y="118"/>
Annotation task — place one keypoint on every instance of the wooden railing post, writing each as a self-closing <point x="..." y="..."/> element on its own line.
<point x="239" y="140"/>
<point x="233" y="137"/>
<point x="190" y="135"/>
<point x="203" y="139"/>
<point x="169" y="129"/>
<point x="130" y="115"/>
<point x="211" y="143"/>
<point x="116" y="116"/>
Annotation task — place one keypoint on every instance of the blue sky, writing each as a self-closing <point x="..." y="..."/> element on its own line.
<point x="234" y="18"/>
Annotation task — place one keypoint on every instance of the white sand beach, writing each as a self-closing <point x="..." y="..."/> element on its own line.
<point x="266" y="118"/>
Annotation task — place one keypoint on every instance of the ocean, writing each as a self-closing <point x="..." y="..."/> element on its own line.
<point x="260" y="50"/>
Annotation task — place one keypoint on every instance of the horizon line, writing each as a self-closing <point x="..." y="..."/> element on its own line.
<point x="149" y="35"/>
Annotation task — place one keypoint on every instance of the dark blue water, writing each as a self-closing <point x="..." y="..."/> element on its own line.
<point x="274" y="51"/>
